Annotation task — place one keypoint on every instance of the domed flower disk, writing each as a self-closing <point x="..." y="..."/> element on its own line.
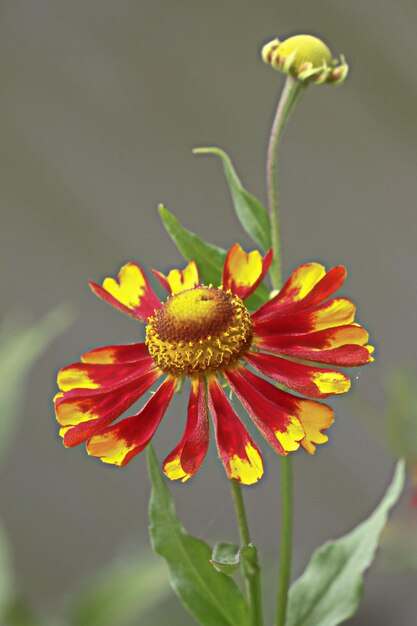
<point x="208" y="335"/>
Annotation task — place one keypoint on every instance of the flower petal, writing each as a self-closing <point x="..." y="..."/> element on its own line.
<point x="118" y="444"/>
<point x="127" y="353"/>
<point x="299" y="284"/>
<point x="186" y="458"/>
<point x="345" y="356"/>
<point x="335" y="312"/>
<point x="326" y="287"/>
<point x="101" y="376"/>
<point x="179" y="280"/>
<point x="285" y="420"/>
<point x="314" y="382"/>
<point x="308" y="286"/>
<point x="341" y="345"/>
<point x="238" y="452"/>
<point x="131" y="294"/>
<point x="243" y="272"/>
<point x="280" y="426"/>
<point x="81" y="414"/>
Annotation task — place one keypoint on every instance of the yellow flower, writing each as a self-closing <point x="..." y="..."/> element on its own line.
<point x="306" y="58"/>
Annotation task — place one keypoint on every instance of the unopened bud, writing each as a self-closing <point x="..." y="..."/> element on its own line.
<point x="306" y="58"/>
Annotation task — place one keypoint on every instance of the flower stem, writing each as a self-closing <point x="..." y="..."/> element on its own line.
<point x="289" y="97"/>
<point x="252" y="574"/>
<point x="286" y="539"/>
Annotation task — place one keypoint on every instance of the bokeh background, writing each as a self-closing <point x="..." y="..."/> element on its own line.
<point x="101" y="104"/>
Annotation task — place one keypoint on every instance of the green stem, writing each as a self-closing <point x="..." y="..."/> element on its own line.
<point x="284" y="575"/>
<point x="252" y="575"/>
<point x="289" y="97"/>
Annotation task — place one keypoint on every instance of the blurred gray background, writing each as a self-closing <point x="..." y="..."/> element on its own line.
<point x="101" y="104"/>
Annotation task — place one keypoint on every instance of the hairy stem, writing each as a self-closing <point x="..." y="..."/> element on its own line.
<point x="253" y="580"/>
<point x="289" y="97"/>
<point x="284" y="576"/>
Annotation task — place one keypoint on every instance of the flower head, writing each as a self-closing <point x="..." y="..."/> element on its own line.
<point x="208" y="335"/>
<point x="306" y="58"/>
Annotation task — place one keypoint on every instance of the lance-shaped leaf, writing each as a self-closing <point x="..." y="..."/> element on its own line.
<point x="212" y="598"/>
<point x="209" y="258"/>
<point x="249" y="210"/>
<point x="329" y="591"/>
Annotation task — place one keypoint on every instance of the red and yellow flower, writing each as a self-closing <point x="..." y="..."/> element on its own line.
<point x="208" y="335"/>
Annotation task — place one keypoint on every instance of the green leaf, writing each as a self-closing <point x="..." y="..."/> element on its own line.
<point x="329" y="591"/>
<point x="225" y="557"/>
<point x="209" y="258"/>
<point x="250" y="211"/>
<point x="212" y="598"/>
<point x="122" y="594"/>
<point x="20" y="347"/>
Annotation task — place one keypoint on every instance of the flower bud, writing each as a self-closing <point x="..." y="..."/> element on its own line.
<point x="306" y="58"/>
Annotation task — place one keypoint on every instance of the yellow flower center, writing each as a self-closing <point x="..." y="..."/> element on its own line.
<point x="199" y="329"/>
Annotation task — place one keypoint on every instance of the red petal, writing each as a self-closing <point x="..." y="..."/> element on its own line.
<point x="284" y="420"/>
<point x="342" y="345"/>
<point x="119" y="443"/>
<point x="238" y="452"/>
<point x="314" y="382"/>
<point x="335" y="312"/>
<point x="82" y="415"/>
<point x="179" y="280"/>
<point x="345" y="356"/>
<point x="318" y="340"/>
<point x="131" y="293"/>
<point x="243" y="272"/>
<point x="296" y="295"/>
<point x="277" y="423"/>
<point x="98" y="377"/>
<point x="128" y="353"/>
<point x="186" y="458"/>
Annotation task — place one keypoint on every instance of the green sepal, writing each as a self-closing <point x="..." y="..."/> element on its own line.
<point x="330" y="589"/>
<point x="208" y="257"/>
<point x="212" y="598"/>
<point x="250" y="211"/>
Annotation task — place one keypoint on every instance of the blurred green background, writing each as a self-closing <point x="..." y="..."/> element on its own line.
<point x="101" y="103"/>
